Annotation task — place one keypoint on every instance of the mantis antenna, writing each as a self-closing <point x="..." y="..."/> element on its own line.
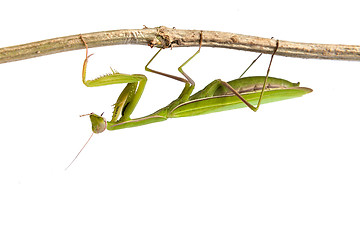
<point x="79" y="152"/>
<point x="99" y="124"/>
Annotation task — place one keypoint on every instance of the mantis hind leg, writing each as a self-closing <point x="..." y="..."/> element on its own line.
<point x="263" y="87"/>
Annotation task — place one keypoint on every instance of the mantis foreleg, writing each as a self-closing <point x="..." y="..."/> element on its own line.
<point x="129" y="97"/>
<point x="111" y="78"/>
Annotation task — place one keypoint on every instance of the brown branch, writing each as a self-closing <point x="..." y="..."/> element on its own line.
<point x="168" y="37"/>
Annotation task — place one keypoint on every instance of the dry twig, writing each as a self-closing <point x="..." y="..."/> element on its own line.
<point x="168" y="37"/>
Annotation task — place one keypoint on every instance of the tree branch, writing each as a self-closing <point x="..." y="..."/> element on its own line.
<point x="168" y="37"/>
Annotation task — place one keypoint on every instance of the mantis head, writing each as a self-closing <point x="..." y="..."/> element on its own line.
<point x="98" y="126"/>
<point x="98" y="122"/>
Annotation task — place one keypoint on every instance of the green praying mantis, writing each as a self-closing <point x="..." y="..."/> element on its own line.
<point x="215" y="97"/>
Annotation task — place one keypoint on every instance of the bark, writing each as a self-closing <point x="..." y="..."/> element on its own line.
<point x="169" y="37"/>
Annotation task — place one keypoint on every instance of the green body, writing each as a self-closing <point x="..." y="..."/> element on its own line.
<point x="216" y="97"/>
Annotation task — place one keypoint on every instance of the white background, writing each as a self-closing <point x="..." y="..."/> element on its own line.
<point x="289" y="171"/>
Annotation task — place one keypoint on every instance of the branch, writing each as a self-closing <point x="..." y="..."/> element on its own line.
<point x="168" y="37"/>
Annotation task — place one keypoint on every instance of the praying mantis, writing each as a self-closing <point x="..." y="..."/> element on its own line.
<point x="215" y="97"/>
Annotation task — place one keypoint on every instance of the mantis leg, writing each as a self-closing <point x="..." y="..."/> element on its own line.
<point x="264" y="85"/>
<point x="250" y="65"/>
<point x="128" y="98"/>
<point x="187" y="78"/>
<point x="180" y="68"/>
<point x="111" y="78"/>
<point x="161" y="73"/>
<point x="189" y="83"/>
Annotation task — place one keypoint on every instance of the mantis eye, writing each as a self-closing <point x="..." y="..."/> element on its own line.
<point x="98" y="123"/>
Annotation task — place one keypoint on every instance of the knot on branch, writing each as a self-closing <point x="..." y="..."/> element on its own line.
<point x="165" y="38"/>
